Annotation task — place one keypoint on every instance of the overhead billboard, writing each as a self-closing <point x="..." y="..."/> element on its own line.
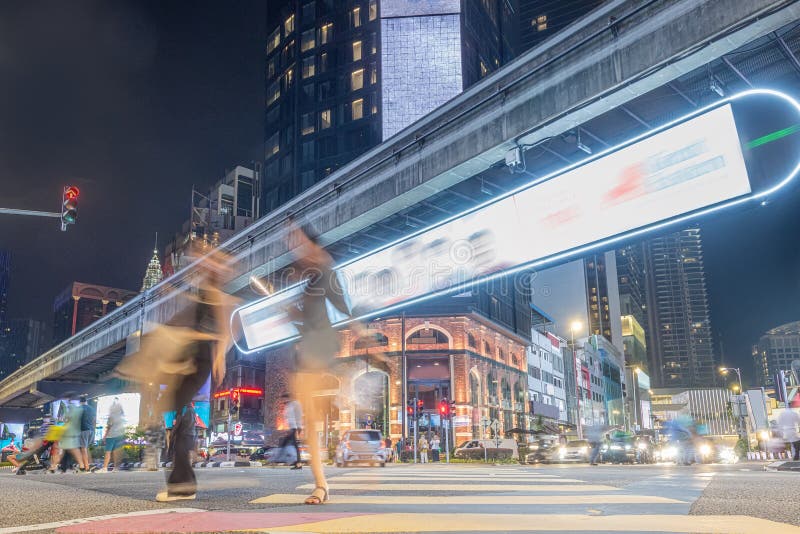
<point x="680" y="171"/>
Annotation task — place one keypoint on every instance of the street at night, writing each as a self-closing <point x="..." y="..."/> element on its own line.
<point x="399" y="266"/>
<point x="417" y="498"/>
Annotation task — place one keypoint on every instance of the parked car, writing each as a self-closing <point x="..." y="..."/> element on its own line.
<point x="619" y="450"/>
<point x="237" y="454"/>
<point x="541" y="450"/>
<point x="574" y="451"/>
<point x="361" y="446"/>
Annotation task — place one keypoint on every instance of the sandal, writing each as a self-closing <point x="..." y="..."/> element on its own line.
<point x="315" y="498"/>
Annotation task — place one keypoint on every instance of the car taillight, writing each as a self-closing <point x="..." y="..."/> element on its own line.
<point x="346" y="444"/>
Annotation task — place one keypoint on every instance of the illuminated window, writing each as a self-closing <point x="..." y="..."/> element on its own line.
<point x="484" y="70"/>
<point x="540" y="22"/>
<point x="288" y="78"/>
<point x="373" y="9"/>
<point x="357" y="109"/>
<point x="355" y="17"/>
<point x="288" y="25"/>
<point x="272" y="67"/>
<point x="274" y="40"/>
<point x="307" y="40"/>
<point x="356" y="50"/>
<point x="373" y="74"/>
<point x="308" y="67"/>
<point x="325" y="33"/>
<point x="357" y="80"/>
<point x="273" y="144"/>
<point x="307" y="124"/>
<point x="273" y="92"/>
<point x="325" y="119"/>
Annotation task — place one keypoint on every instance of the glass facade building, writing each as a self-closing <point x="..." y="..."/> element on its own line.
<point x="775" y="351"/>
<point x="343" y="76"/>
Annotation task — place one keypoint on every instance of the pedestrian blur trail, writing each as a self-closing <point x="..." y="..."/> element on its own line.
<point x="446" y="498"/>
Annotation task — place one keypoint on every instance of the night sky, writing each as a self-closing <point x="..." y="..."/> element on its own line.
<point x="134" y="102"/>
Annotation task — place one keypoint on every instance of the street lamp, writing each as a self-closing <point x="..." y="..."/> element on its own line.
<point x="742" y="425"/>
<point x="636" y="372"/>
<point x="574" y="326"/>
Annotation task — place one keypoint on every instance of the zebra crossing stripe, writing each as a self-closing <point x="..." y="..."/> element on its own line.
<point x="471" y="500"/>
<point x="488" y="488"/>
<point x="463" y="480"/>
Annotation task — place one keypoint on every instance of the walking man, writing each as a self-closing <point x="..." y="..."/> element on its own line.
<point x="435" y="447"/>
<point x="293" y="415"/>
<point x="114" y="436"/>
<point x="88" y="416"/>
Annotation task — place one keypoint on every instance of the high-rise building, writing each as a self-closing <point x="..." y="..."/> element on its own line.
<point x="583" y="293"/>
<point x="24" y="340"/>
<point x="540" y="19"/>
<point x="634" y="342"/>
<point x="631" y="275"/>
<point x="681" y="348"/>
<point x="344" y="76"/>
<point x="79" y="305"/>
<point x="228" y="206"/>
<point x="775" y="351"/>
<point x="5" y="275"/>
<point x="153" y="273"/>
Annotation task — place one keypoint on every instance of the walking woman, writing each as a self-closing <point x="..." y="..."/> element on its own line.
<point x="318" y="344"/>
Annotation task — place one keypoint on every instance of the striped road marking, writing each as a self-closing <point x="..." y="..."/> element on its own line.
<point x="465" y="480"/>
<point x="541" y="522"/>
<point x="99" y="518"/>
<point x="488" y="488"/>
<point x="443" y="500"/>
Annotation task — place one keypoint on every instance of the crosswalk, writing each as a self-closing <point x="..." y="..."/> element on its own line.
<point x="456" y="498"/>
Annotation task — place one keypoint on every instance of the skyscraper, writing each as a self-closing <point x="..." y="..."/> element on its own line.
<point x="680" y="344"/>
<point x="775" y="351"/>
<point x="344" y="76"/>
<point x="582" y="293"/>
<point x="540" y="19"/>
<point x="24" y="341"/>
<point x="152" y="274"/>
<point x="5" y="275"/>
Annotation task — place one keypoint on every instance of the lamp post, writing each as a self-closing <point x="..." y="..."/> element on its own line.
<point x="742" y="425"/>
<point x="636" y="371"/>
<point x="576" y="325"/>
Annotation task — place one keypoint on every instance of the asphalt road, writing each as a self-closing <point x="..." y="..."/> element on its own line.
<point x="414" y="498"/>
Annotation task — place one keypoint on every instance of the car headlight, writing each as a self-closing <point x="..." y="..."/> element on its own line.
<point x="641" y="446"/>
<point x="616" y="448"/>
<point x="669" y="452"/>
<point x="562" y="452"/>
<point x="627" y="447"/>
<point x="604" y="448"/>
<point x="705" y="449"/>
<point x="584" y="450"/>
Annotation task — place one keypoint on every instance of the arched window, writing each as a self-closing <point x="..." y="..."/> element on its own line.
<point x="487" y="350"/>
<point x="375" y="340"/>
<point x="515" y="359"/>
<point x="427" y="336"/>
<point x="501" y="355"/>
<point x="471" y="341"/>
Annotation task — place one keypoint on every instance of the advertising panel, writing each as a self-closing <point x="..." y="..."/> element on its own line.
<point x="684" y="168"/>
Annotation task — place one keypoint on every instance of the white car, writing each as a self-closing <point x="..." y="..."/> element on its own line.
<point x="361" y="446"/>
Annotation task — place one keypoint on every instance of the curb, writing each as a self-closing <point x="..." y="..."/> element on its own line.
<point x="783" y="466"/>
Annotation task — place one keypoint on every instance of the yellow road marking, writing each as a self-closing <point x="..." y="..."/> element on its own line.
<point x="461" y="479"/>
<point x="615" y="498"/>
<point x="487" y="488"/>
<point x="537" y="522"/>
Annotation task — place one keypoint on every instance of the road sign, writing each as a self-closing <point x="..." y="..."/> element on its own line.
<point x="237" y="429"/>
<point x="485" y="421"/>
<point x="495" y="425"/>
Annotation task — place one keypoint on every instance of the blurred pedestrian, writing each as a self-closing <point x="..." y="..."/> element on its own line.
<point x="422" y="445"/>
<point x="70" y="441"/>
<point x="88" y="416"/>
<point x="181" y="355"/>
<point x="319" y="341"/>
<point x="594" y="435"/>
<point x="435" y="450"/>
<point x="114" y="436"/>
<point x="389" y="450"/>
<point x="293" y="416"/>
<point x="788" y="424"/>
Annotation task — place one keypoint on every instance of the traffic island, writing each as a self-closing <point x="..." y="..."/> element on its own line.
<point x="783" y="465"/>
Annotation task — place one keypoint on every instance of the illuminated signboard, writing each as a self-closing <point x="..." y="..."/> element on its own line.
<point x="685" y="169"/>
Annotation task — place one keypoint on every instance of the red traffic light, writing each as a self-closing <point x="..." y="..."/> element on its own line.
<point x="71" y="192"/>
<point x="69" y="206"/>
<point x="444" y="408"/>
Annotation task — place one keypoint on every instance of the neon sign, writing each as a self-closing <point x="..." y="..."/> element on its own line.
<point x="683" y="170"/>
<point x="240" y="391"/>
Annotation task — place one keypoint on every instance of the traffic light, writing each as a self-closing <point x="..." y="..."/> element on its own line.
<point x="69" y="206"/>
<point x="410" y="409"/>
<point x="444" y="409"/>
<point x="420" y="408"/>
<point x="234" y="402"/>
